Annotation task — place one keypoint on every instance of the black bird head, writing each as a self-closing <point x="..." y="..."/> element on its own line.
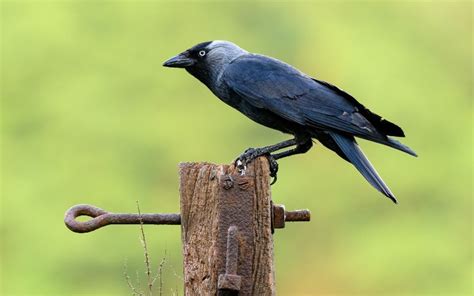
<point x="206" y="60"/>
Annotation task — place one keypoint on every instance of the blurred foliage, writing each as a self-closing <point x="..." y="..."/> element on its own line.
<point x="90" y="116"/>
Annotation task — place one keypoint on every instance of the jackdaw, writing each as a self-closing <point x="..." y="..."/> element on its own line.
<point x="278" y="96"/>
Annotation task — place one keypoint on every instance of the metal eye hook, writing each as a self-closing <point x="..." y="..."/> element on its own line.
<point x="101" y="218"/>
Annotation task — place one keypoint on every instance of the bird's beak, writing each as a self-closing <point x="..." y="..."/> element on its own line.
<point x="180" y="61"/>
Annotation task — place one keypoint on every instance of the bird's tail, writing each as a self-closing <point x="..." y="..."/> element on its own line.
<point x="399" y="146"/>
<point x="354" y="154"/>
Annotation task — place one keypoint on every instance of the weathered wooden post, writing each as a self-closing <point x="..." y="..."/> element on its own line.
<point x="219" y="205"/>
<point x="227" y="219"/>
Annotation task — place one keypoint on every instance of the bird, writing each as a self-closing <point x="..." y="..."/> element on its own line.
<point x="281" y="97"/>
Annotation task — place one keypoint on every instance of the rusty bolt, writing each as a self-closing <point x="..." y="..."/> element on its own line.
<point x="280" y="216"/>
<point x="298" y="216"/>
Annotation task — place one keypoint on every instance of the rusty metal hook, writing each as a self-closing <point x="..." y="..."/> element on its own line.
<point x="101" y="218"/>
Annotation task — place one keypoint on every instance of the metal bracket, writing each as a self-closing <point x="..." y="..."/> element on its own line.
<point x="230" y="281"/>
<point x="235" y="239"/>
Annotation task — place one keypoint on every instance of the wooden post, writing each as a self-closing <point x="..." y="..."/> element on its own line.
<point x="218" y="207"/>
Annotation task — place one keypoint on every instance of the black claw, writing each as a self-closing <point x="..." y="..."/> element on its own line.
<point x="273" y="168"/>
<point x="273" y="181"/>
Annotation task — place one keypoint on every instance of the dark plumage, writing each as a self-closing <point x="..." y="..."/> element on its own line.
<point x="281" y="97"/>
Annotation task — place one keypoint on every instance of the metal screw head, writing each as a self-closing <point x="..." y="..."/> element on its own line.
<point x="227" y="182"/>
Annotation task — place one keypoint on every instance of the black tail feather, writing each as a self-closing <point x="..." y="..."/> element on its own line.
<point x="354" y="154"/>
<point x="399" y="146"/>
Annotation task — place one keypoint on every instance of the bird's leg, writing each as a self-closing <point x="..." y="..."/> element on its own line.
<point x="301" y="147"/>
<point x="252" y="153"/>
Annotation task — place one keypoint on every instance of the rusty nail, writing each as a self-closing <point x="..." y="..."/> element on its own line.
<point x="230" y="280"/>
<point x="101" y="218"/>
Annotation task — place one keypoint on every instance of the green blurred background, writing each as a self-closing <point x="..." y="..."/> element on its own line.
<point x="89" y="115"/>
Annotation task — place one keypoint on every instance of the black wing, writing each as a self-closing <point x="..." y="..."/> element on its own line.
<point x="277" y="87"/>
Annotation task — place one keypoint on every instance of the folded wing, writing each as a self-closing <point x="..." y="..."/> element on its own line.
<point x="277" y="87"/>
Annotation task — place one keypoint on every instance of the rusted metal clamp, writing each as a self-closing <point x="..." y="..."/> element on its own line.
<point x="230" y="280"/>
<point x="101" y="218"/>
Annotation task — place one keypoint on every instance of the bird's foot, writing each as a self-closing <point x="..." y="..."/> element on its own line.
<point x="245" y="158"/>
<point x="252" y="153"/>
<point x="273" y="167"/>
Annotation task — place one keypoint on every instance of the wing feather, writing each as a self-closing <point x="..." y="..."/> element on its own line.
<point x="277" y="87"/>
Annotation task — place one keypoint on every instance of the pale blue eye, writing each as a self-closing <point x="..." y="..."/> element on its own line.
<point x="202" y="53"/>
